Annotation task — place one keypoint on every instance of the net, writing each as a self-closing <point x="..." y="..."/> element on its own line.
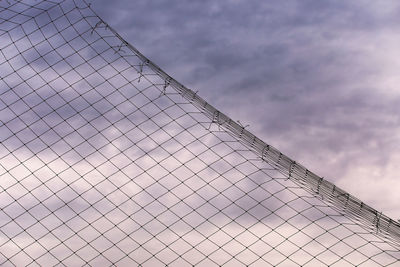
<point x="106" y="160"/>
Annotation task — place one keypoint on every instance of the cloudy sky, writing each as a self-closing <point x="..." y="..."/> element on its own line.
<point x="88" y="141"/>
<point x="316" y="79"/>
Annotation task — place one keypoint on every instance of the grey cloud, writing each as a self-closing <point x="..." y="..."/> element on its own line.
<point x="309" y="76"/>
<point x="267" y="74"/>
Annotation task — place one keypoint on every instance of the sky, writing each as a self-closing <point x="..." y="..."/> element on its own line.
<point x="98" y="151"/>
<point x="316" y="79"/>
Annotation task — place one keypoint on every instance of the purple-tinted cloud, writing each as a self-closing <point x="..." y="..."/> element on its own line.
<point x="101" y="165"/>
<point x="315" y="79"/>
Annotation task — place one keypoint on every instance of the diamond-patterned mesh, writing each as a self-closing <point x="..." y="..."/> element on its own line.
<point x="106" y="160"/>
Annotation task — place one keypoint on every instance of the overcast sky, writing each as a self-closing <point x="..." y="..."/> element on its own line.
<point x="316" y="79"/>
<point x="85" y="163"/>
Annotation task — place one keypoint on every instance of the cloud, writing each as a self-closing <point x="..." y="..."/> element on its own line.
<point x="117" y="153"/>
<point x="315" y="79"/>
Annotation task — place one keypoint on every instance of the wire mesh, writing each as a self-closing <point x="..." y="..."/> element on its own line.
<point x="105" y="160"/>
